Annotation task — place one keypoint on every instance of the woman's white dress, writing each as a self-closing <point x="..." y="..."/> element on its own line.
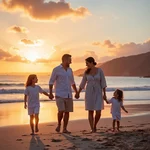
<point x="93" y="93"/>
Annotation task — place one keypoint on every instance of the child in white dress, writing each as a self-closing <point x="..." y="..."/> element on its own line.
<point x="31" y="100"/>
<point x="116" y="105"/>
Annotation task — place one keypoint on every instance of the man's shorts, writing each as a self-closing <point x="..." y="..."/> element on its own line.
<point x="64" y="104"/>
<point x="33" y="110"/>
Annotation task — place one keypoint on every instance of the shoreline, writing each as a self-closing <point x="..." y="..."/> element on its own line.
<point x="48" y="113"/>
<point x="127" y="101"/>
<point x="131" y="116"/>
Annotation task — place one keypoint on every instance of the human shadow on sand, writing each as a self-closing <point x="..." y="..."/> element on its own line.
<point x="81" y="141"/>
<point x="36" y="143"/>
<point x="124" y="140"/>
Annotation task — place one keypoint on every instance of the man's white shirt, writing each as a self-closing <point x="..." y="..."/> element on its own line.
<point x="62" y="80"/>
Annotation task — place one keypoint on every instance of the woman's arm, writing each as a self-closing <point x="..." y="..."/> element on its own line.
<point x="104" y="93"/>
<point x="25" y="101"/>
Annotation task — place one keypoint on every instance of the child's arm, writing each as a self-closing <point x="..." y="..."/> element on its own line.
<point x="25" y="101"/>
<point x="124" y="109"/>
<point x="106" y="101"/>
<point x="45" y="93"/>
<point x="109" y="101"/>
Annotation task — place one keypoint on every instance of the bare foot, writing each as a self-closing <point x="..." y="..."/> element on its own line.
<point x="32" y="133"/>
<point x="57" y="129"/>
<point x="118" y="130"/>
<point x="113" y="130"/>
<point x="94" y="130"/>
<point x="36" y="129"/>
<point x="66" y="131"/>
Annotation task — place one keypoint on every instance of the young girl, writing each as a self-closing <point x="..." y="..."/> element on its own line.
<point x="117" y="104"/>
<point x="32" y="97"/>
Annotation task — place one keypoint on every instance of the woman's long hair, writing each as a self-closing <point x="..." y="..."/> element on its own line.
<point x="90" y="60"/>
<point x="120" y="95"/>
<point x="29" y="80"/>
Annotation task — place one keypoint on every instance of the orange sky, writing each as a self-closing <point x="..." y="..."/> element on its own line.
<point x="35" y="34"/>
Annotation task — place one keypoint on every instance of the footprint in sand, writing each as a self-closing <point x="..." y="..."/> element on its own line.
<point x="47" y="146"/>
<point x="19" y="140"/>
<point x="56" y="140"/>
<point x="24" y="135"/>
<point x="83" y="130"/>
<point x="99" y="140"/>
<point x="86" y="139"/>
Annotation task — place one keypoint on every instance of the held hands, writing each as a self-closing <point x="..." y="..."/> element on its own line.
<point x="51" y="96"/>
<point x="77" y="95"/>
<point x="104" y="97"/>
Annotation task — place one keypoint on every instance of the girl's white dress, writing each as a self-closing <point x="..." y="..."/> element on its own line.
<point x="116" y="108"/>
<point x="93" y="93"/>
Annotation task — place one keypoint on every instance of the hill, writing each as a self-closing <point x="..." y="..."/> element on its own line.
<point x="134" y="65"/>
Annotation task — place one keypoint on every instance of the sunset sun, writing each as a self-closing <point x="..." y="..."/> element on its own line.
<point x="32" y="56"/>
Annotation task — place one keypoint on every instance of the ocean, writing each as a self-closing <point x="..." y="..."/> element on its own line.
<point x="136" y="89"/>
<point x="12" y="112"/>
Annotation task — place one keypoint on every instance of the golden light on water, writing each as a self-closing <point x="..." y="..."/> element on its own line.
<point x="48" y="113"/>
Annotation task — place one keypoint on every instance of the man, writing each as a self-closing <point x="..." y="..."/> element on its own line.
<point x="62" y="78"/>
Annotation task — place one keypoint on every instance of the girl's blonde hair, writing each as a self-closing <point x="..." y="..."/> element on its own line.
<point x="29" y="80"/>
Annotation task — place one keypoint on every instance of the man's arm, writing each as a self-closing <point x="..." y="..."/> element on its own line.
<point x="51" y="82"/>
<point x="51" y="96"/>
<point x="76" y="92"/>
<point x="74" y="87"/>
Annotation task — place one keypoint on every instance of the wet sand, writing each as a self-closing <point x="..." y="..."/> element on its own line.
<point x="135" y="131"/>
<point x="135" y="134"/>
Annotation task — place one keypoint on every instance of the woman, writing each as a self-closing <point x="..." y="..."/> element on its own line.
<point x="95" y="82"/>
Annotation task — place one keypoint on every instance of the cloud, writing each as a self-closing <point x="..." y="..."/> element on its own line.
<point x="6" y="56"/>
<point x="87" y="54"/>
<point x="118" y="49"/>
<point x="17" y="29"/>
<point x="42" y="60"/>
<point x="16" y="59"/>
<point x="41" y="10"/>
<point x="132" y="48"/>
<point x="27" y="42"/>
<point x="54" y="57"/>
<point x="106" y="43"/>
<point x="14" y="48"/>
<point x="96" y="43"/>
<point x="58" y="53"/>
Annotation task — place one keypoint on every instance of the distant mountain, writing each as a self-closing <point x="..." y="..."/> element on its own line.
<point x="135" y="65"/>
<point x="79" y="72"/>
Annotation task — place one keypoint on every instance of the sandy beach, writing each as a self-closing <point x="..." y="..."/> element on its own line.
<point x="134" y="135"/>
